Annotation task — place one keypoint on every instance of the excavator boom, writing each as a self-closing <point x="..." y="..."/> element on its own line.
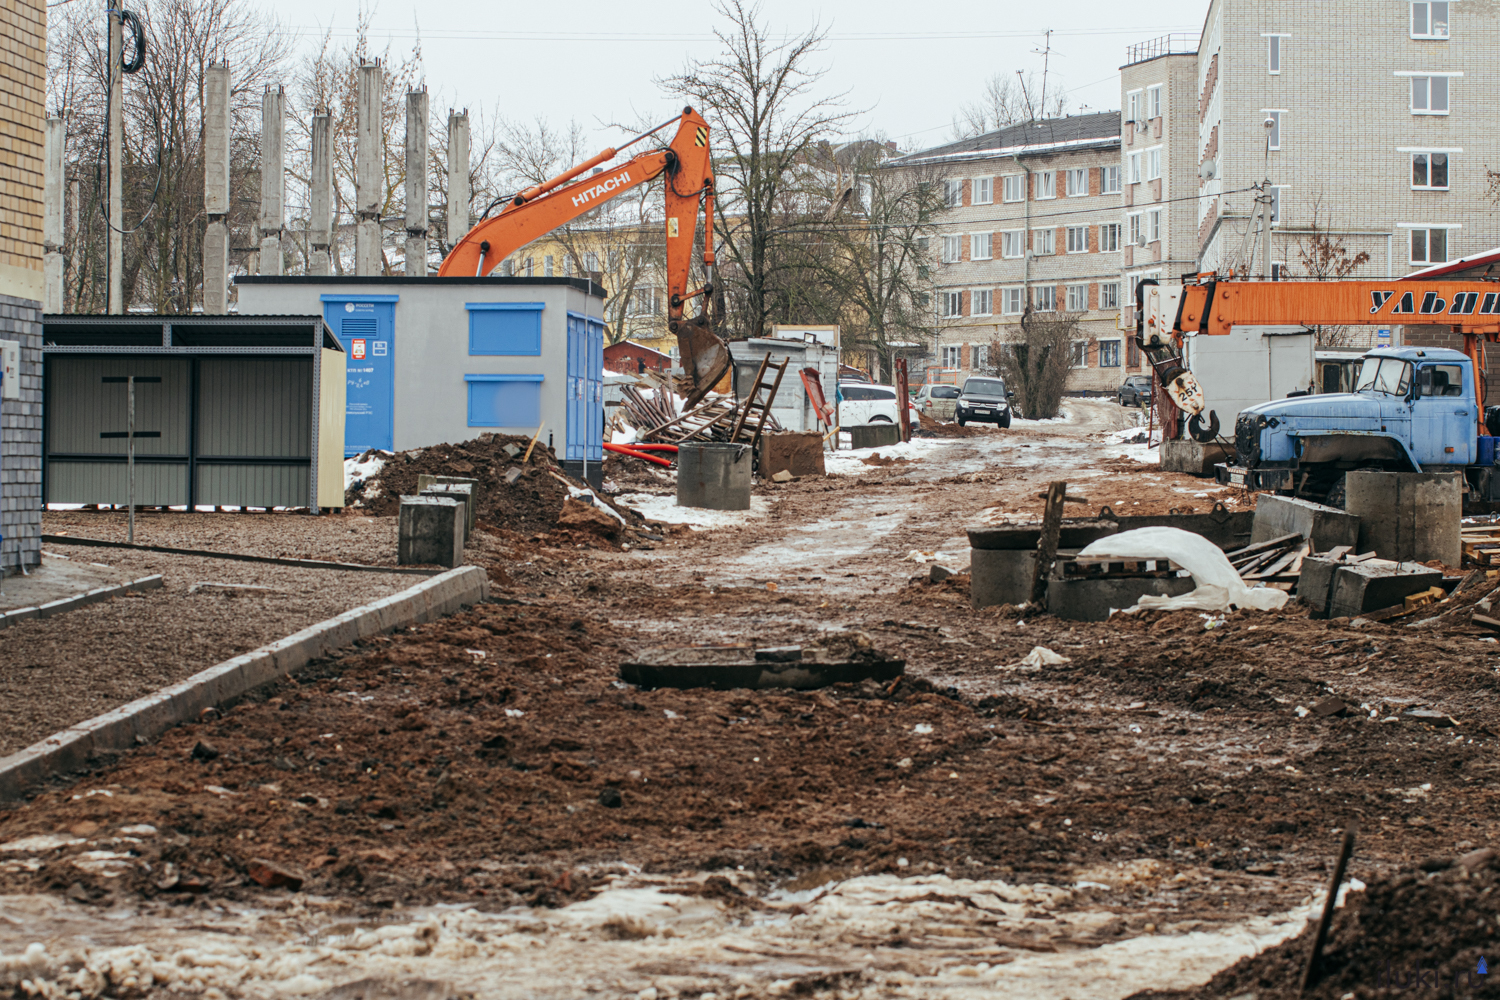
<point x="688" y="170"/>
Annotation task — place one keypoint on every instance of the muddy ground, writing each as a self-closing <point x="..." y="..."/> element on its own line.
<point x="1164" y="803"/>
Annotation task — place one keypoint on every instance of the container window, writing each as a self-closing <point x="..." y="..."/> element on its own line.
<point x="504" y="400"/>
<point x="505" y="328"/>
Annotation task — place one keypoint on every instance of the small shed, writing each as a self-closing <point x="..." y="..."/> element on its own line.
<point x="444" y="359"/>
<point x="238" y="411"/>
<point x="791" y="408"/>
<point x="629" y="358"/>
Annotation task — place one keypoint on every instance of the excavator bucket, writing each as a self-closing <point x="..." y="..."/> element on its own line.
<point x="705" y="358"/>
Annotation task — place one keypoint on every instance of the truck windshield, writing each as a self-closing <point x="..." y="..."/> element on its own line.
<point x="1388" y="375"/>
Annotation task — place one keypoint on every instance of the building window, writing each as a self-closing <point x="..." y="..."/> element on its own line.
<point x="1429" y="95"/>
<point x="1012" y="301"/>
<point x="1109" y="178"/>
<point x="1429" y="171"/>
<point x="1273" y="134"/>
<point x="1078" y="182"/>
<point x="1134" y="161"/>
<point x="1132" y="354"/>
<point x="1079" y="356"/>
<point x="1013" y="187"/>
<point x="950" y="304"/>
<point x="547" y="265"/>
<point x="1013" y="244"/>
<point x="530" y="267"/>
<point x="1043" y="241"/>
<point x="1044" y="299"/>
<point x="1078" y="239"/>
<point x="1109" y="354"/>
<point x="979" y="246"/>
<point x="1153" y="163"/>
<point x="1429" y="246"/>
<point x="1137" y="235"/>
<point x="591" y="262"/>
<point x="1133" y="102"/>
<point x="1429" y="19"/>
<point x="1046" y="183"/>
<point x="953" y="194"/>
<point x="952" y="353"/>
<point x="1078" y="298"/>
<point x="984" y="190"/>
<point x="644" y="302"/>
<point x="1153" y="101"/>
<point x="1154" y="219"/>
<point x="567" y="265"/>
<point x="1273" y="56"/>
<point x="1109" y="295"/>
<point x="952" y="247"/>
<point x="981" y="301"/>
<point x="1109" y="237"/>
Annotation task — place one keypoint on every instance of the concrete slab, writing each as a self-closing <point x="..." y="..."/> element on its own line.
<point x="1091" y="600"/>
<point x="1377" y="584"/>
<point x="1001" y="576"/>
<point x="1315" y="585"/>
<point x="742" y="667"/>
<point x="1408" y="516"/>
<point x="430" y="530"/>
<point x="1194" y="458"/>
<point x="57" y="577"/>
<point x="1325" y="527"/>
<point x="1225" y="528"/>
<point x="1076" y="533"/>
<point x="873" y="435"/>
<point x="799" y="454"/>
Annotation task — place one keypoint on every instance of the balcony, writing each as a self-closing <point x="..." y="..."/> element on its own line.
<point x="1166" y="45"/>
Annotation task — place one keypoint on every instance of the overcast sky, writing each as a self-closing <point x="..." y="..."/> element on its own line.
<point x="909" y="66"/>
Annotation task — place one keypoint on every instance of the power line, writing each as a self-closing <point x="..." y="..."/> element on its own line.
<point x="460" y="34"/>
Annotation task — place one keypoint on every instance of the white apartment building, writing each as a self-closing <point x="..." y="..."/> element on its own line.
<point x="1033" y="215"/>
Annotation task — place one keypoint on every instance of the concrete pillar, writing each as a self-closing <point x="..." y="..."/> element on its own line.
<point x="116" y="139"/>
<point x="458" y="176"/>
<point x="368" y="175"/>
<point x="430" y="531"/>
<point x="320" y="209"/>
<point x="272" y="178"/>
<point x="52" y="215"/>
<point x="216" y="189"/>
<point x="1416" y="516"/>
<point x="416" y="184"/>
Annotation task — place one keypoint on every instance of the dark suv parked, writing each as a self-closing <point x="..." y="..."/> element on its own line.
<point x="983" y="400"/>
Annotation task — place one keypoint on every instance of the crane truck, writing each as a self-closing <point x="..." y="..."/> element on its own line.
<point x="687" y="166"/>
<point x="1413" y="409"/>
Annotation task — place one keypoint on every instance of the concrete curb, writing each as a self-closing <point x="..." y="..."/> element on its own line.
<point x="79" y="600"/>
<point x="152" y="715"/>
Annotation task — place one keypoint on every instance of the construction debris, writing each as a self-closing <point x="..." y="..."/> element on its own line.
<point x="840" y="660"/>
<point x="653" y="408"/>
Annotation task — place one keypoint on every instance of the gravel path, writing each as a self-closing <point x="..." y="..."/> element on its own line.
<point x="336" y="537"/>
<point x="59" y="671"/>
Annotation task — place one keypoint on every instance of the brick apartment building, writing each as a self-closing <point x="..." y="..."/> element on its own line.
<point x="23" y="62"/>
<point x="1033" y="215"/>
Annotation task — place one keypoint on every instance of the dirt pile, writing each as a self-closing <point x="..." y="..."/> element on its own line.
<point x="1431" y="932"/>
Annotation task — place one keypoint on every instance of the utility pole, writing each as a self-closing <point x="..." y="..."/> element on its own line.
<point x="116" y="111"/>
<point x="52" y="215"/>
<point x="216" y="190"/>
<point x="367" y="169"/>
<point x="1266" y="193"/>
<point x="416" y="184"/>
<point x="320" y="225"/>
<point x="272" y="178"/>
<point x="458" y="177"/>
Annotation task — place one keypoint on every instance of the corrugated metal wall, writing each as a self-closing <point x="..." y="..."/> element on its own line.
<point x="259" y="409"/>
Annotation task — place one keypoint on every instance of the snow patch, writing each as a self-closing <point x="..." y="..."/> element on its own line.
<point x="665" y="509"/>
<point x="354" y="468"/>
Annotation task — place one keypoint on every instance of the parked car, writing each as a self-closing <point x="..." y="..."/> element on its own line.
<point x="1134" y="391"/>
<point x="867" y="403"/>
<point x="937" y="401"/>
<point x="983" y="400"/>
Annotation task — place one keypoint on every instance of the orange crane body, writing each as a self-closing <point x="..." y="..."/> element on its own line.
<point x="688" y="168"/>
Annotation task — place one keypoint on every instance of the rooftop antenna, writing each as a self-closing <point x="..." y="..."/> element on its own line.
<point x="1046" y="58"/>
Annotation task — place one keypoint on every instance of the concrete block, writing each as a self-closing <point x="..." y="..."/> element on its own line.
<point x="1075" y="534"/>
<point x="1227" y="529"/>
<point x="1195" y="458"/>
<point x="1377" y="584"/>
<point x="430" y="530"/>
<point x="713" y="476"/>
<point x="799" y="454"/>
<point x="1315" y="585"/>
<point x="1001" y="576"/>
<point x="461" y="492"/>
<point x="1408" y="516"/>
<point x="1091" y="600"/>
<point x="1324" y="526"/>
<point x="873" y="435"/>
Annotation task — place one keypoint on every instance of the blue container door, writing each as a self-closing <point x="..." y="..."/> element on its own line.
<point x="366" y="327"/>
<point x="578" y="435"/>
<point x="596" y="390"/>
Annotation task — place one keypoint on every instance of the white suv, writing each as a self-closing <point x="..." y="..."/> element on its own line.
<point x="867" y="403"/>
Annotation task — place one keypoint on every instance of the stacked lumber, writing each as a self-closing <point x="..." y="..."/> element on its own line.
<point x="1482" y="544"/>
<point x="1276" y="562"/>
<point x="653" y="406"/>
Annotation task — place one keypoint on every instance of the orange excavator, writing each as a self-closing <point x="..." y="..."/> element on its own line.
<point x="688" y="168"/>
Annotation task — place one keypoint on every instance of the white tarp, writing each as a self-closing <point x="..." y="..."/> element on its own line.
<point x="1219" y="585"/>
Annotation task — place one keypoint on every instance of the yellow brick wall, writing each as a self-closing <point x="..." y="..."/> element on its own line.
<point x="23" y="62"/>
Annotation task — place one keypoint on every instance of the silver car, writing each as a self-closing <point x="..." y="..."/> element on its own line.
<point x="937" y="401"/>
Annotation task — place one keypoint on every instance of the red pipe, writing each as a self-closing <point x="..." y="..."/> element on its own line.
<point x="652" y="447"/>
<point x="621" y="449"/>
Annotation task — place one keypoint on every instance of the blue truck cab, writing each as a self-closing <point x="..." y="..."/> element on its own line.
<point x="1414" y="409"/>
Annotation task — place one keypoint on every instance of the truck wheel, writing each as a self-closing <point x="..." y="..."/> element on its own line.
<point x="1336" y="494"/>
<point x="961" y="421"/>
<point x="1004" y="421"/>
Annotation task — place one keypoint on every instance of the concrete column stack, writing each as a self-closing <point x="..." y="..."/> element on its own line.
<point x="320" y="208"/>
<point x="416" y="184"/>
<point x="52" y="216"/>
<point x="458" y="176"/>
<point x="272" y="178"/>
<point x="368" y="175"/>
<point x="116" y="140"/>
<point x="216" y="189"/>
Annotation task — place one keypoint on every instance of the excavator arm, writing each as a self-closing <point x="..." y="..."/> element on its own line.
<point x="688" y="169"/>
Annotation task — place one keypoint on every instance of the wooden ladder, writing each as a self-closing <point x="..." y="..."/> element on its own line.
<point x="754" y="403"/>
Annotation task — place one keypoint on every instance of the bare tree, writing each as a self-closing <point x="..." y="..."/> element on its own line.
<point x="759" y="94"/>
<point x="1034" y="362"/>
<point x="1324" y="257"/>
<point x="1008" y="99"/>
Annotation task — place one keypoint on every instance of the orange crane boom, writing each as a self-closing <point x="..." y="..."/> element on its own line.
<point x="537" y="211"/>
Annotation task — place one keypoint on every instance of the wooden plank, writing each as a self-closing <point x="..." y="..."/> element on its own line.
<point x="1269" y="543"/>
<point x="1338" y="552"/>
<point x="1275" y="567"/>
<point x="1047" y="544"/>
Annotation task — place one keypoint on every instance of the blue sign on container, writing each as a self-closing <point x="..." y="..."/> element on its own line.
<point x="366" y="326"/>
